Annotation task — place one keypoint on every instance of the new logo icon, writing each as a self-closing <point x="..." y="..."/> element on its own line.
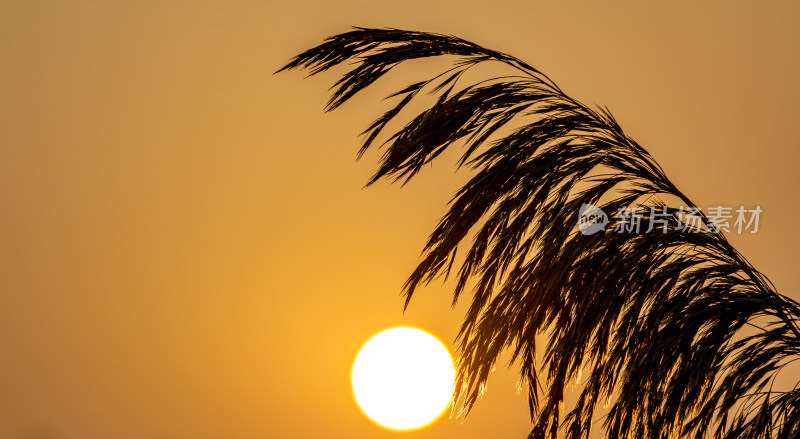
<point x="591" y="219"/>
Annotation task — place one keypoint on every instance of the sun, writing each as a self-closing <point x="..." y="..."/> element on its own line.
<point x="403" y="378"/>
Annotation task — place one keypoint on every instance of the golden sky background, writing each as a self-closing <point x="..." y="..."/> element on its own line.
<point x="186" y="250"/>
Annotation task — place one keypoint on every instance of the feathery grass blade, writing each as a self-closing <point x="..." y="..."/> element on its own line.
<point x="677" y="329"/>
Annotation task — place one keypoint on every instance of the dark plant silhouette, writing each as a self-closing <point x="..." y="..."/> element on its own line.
<point x="676" y="333"/>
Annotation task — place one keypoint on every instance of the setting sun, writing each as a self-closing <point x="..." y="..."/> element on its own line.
<point x="403" y="378"/>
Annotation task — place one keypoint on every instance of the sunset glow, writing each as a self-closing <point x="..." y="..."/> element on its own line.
<point x="403" y="378"/>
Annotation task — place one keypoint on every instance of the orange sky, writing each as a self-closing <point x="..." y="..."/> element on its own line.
<point x="185" y="247"/>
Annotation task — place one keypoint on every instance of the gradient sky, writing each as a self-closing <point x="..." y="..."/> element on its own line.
<point x="186" y="250"/>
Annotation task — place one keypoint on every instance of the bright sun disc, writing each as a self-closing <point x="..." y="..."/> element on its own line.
<point x="403" y="378"/>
